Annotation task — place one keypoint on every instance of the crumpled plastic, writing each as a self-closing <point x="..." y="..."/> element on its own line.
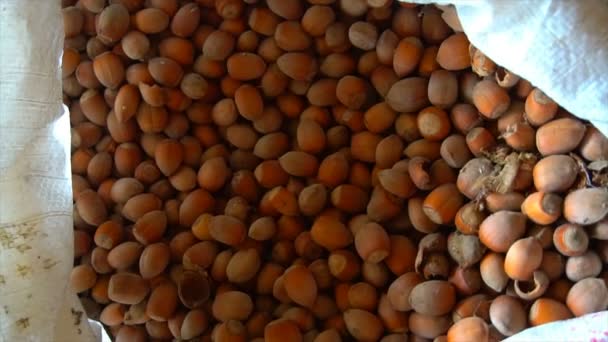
<point x="36" y="243"/>
<point x="589" y="328"/>
<point x="560" y="46"/>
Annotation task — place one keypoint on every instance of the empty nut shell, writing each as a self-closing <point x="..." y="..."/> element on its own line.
<point x="540" y="283"/>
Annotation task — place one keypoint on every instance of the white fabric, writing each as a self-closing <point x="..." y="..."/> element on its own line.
<point x="589" y="328"/>
<point x="36" y="244"/>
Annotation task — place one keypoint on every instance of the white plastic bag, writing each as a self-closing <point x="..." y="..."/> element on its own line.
<point x="36" y="244"/>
